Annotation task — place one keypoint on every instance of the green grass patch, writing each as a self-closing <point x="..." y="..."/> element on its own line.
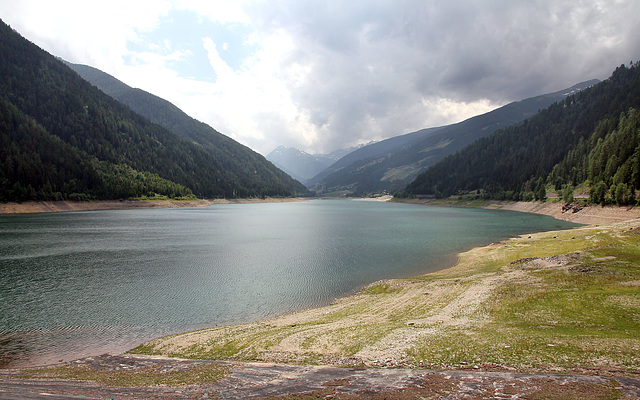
<point x="380" y="288"/>
<point x="583" y="314"/>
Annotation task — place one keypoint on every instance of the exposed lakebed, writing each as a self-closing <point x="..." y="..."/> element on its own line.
<point x="84" y="283"/>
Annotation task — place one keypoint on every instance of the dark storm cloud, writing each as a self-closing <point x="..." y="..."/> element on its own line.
<point x="372" y="63"/>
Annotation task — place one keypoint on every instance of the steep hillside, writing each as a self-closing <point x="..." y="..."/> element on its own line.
<point x="591" y="138"/>
<point x="43" y="98"/>
<point x="392" y="163"/>
<point x="232" y="155"/>
<point x="39" y="166"/>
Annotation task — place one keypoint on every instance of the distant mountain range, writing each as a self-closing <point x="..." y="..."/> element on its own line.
<point x="63" y="138"/>
<point x="302" y="165"/>
<point x="391" y="164"/>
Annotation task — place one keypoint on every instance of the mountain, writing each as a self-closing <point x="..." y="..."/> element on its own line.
<point x="51" y="115"/>
<point x="391" y="164"/>
<point x="302" y="165"/>
<point x="39" y="166"/>
<point x="590" y="139"/>
<point x="167" y="115"/>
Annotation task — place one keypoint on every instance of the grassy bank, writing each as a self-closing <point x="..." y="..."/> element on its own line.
<point x="558" y="301"/>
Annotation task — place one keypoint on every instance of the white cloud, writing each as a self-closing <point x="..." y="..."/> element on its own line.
<point x="222" y="11"/>
<point x="252" y="104"/>
<point x="446" y="111"/>
<point x="94" y="33"/>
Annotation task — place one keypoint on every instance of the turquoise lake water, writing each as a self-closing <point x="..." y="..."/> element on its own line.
<point x="84" y="283"/>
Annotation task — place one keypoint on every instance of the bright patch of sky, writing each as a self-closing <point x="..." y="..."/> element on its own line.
<point x="178" y="38"/>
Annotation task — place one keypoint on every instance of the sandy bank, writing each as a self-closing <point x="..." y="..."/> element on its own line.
<point x="590" y="215"/>
<point x="61" y="206"/>
<point x="381" y="198"/>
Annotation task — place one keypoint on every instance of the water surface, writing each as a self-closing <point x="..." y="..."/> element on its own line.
<point x="84" y="283"/>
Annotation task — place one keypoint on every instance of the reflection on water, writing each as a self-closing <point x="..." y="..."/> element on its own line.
<point x="80" y="284"/>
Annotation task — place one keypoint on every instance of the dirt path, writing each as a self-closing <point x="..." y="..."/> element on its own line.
<point x="250" y="380"/>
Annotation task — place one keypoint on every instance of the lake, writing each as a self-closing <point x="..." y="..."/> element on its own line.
<point x="84" y="283"/>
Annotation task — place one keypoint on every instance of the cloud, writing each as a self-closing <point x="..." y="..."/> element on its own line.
<point x="93" y="32"/>
<point x="323" y="75"/>
<point x="371" y="65"/>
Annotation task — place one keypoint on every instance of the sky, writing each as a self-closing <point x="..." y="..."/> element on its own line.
<point x="331" y="74"/>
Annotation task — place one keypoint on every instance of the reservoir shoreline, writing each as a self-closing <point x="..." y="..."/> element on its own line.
<point x="170" y="259"/>
<point x="453" y="319"/>
<point x="392" y="312"/>
<point x="31" y="207"/>
<point x="588" y="215"/>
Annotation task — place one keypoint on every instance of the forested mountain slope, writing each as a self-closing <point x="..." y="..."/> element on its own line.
<point x="237" y="159"/>
<point x="392" y="163"/>
<point x="590" y="139"/>
<point x="39" y="166"/>
<point x="42" y="97"/>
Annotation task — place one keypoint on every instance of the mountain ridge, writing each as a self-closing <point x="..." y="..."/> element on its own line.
<point x="390" y="164"/>
<point x="166" y="114"/>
